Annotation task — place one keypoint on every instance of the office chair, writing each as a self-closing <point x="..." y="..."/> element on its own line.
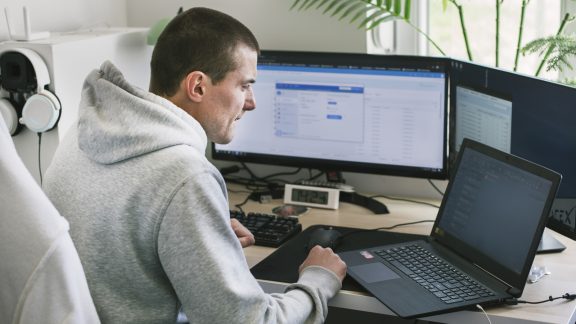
<point x="41" y="278"/>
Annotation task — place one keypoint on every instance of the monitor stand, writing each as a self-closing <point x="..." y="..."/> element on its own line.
<point x="348" y="195"/>
<point x="549" y="244"/>
<point x="369" y="203"/>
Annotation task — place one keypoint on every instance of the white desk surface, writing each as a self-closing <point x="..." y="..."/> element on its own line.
<point x="561" y="265"/>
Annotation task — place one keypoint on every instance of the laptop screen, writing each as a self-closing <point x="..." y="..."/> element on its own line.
<point x="492" y="213"/>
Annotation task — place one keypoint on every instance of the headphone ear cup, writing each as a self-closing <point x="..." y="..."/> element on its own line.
<point x="10" y="116"/>
<point x="41" y="112"/>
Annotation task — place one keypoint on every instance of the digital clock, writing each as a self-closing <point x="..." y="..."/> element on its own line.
<point x="311" y="196"/>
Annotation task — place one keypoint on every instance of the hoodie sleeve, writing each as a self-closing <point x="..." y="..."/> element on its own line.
<point x="207" y="268"/>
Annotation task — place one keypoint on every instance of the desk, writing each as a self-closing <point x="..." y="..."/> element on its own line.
<point x="561" y="265"/>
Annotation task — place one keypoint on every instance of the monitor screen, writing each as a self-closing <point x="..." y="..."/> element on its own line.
<point x="483" y="116"/>
<point x="346" y="112"/>
<point x="529" y="117"/>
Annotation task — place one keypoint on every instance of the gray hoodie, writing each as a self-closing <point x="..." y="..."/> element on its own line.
<point x="149" y="216"/>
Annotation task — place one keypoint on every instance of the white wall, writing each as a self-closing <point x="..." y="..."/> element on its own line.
<point x="272" y="21"/>
<point x="64" y="15"/>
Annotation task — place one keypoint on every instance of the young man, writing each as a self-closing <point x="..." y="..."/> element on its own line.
<point x="148" y="212"/>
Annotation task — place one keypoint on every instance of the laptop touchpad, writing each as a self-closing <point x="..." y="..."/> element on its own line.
<point x="373" y="272"/>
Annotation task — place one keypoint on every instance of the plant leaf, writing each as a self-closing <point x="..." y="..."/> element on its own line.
<point x="321" y="3"/>
<point x="310" y="4"/>
<point x="359" y="8"/>
<point x="378" y="21"/>
<point x="339" y="8"/>
<point x="331" y="5"/>
<point x="388" y="5"/>
<point x="556" y="49"/>
<point x="294" y="4"/>
<point x="306" y="4"/>
<point x="372" y="12"/>
<point x="374" y="16"/>
<point x="407" y="9"/>
<point x="361" y="13"/>
<point x="569" y="82"/>
<point x="398" y="7"/>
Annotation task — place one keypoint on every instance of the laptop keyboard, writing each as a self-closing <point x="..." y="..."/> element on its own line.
<point x="440" y="278"/>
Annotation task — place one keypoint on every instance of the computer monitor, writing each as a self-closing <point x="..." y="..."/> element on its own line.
<point x="346" y="112"/>
<point x="526" y="116"/>
<point x="484" y="116"/>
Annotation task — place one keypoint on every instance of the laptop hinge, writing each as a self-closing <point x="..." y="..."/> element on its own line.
<point x="514" y="292"/>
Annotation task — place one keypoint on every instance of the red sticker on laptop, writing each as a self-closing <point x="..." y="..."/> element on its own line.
<point x="366" y="255"/>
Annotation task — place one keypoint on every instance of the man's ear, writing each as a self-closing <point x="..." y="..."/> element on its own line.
<point x="195" y="84"/>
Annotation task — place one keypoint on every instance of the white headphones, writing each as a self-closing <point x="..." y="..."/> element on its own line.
<point x="41" y="110"/>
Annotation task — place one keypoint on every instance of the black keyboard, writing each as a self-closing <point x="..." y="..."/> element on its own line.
<point x="446" y="282"/>
<point x="269" y="230"/>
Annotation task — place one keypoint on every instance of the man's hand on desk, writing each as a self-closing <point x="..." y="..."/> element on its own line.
<point x="326" y="258"/>
<point x="244" y="235"/>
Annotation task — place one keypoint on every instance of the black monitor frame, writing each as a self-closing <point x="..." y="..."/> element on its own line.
<point x="542" y="112"/>
<point x="359" y="61"/>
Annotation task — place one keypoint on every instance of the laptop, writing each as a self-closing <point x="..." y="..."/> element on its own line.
<point x="482" y="243"/>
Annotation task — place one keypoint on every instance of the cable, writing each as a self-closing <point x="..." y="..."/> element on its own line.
<point x="261" y="185"/>
<point x="408" y="200"/>
<point x="255" y="182"/>
<point x="386" y="228"/>
<point x="403" y="224"/>
<point x="435" y="187"/>
<point x="515" y="301"/>
<point x="239" y="191"/>
<point x="483" y="311"/>
<point x="282" y="174"/>
<point x="311" y="177"/>
<point x="40" y="157"/>
<point x="239" y="206"/>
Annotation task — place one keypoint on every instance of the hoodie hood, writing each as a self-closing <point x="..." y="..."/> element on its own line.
<point x="117" y="121"/>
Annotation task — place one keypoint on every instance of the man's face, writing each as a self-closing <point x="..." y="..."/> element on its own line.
<point x="226" y="101"/>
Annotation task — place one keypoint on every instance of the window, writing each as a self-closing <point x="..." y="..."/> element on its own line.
<point x="542" y="18"/>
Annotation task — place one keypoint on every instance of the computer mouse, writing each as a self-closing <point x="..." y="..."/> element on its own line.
<point x="325" y="237"/>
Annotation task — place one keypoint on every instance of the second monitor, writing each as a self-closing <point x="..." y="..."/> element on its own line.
<point x="526" y="116"/>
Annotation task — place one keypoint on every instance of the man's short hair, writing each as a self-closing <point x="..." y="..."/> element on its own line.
<point x="198" y="39"/>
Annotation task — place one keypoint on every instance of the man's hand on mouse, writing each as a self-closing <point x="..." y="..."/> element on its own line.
<point x="245" y="237"/>
<point x="326" y="258"/>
